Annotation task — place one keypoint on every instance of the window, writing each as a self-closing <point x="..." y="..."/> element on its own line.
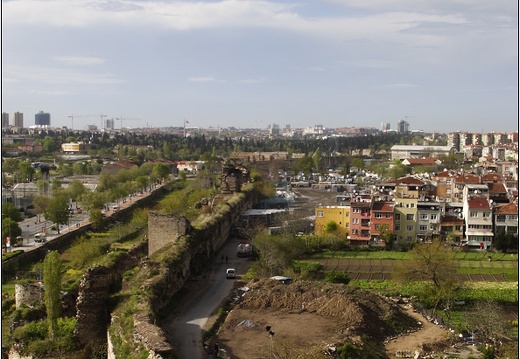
<point x="448" y="191"/>
<point x="355" y="220"/>
<point x="458" y="228"/>
<point x="423" y="228"/>
<point x="513" y="217"/>
<point x="397" y="217"/>
<point x="378" y="215"/>
<point x="473" y="214"/>
<point x="354" y="231"/>
<point x="412" y="205"/>
<point x="424" y="216"/>
<point x="397" y="227"/>
<point x="409" y="217"/>
<point x="388" y="216"/>
<point x="409" y="239"/>
<point x="378" y="226"/>
<point x="409" y="228"/>
<point x="320" y="213"/>
<point x="356" y="210"/>
<point x="433" y="217"/>
<point x="486" y="214"/>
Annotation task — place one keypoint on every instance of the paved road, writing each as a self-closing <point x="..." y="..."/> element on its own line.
<point x="184" y="326"/>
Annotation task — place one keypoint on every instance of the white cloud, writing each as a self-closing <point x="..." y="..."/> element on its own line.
<point x="202" y="79"/>
<point x="58" y="75"/>
<point x="79" y="60"/>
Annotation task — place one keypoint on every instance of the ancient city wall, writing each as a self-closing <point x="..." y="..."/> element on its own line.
<point x="192" y="248"/>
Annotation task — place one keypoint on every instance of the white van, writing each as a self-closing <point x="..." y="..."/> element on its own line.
<point x="231" y="273"/>
<point x="39" y="237"/>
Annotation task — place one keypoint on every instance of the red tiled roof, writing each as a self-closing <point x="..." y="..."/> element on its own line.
<point x="478" y="203"/>
<point x="408" y="180"/>
<point x="497" y="188"/>
<point x="492" y="177"/>
<point x="383" y="206"/>
<point x="509" y="208"/>
<point x="468" y="178"/>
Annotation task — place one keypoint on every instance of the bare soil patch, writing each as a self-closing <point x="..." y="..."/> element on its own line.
<point x="309" y="317"/>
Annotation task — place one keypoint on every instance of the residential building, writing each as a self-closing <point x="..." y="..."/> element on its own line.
<point x="18" y="120"/>
<point x="506" y="219"/>
<point x="460" y="183"/>
<point x="430" y="163"/>
<point x="360" y="222"/>
<point x="452" y="228"/>
<point x="428" y="220"/>
<point x="5" y="119"/>
<point x="75" y="147"/>
<point x="405" y="220"/>
<point x="479" y="222"/>
<point x="381" y="219"/>
<point x="338" y="214"/>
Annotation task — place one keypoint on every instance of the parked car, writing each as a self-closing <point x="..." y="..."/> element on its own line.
<point x="231" y="273"/>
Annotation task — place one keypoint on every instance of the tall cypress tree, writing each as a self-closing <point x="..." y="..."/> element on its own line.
<point x="52" y="268"/>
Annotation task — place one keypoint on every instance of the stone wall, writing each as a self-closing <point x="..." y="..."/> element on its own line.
<point x="97" y="284"/>
<point x="164" y="229"/>
<point x="29" y="295"/>
<point x="192" y="254"/>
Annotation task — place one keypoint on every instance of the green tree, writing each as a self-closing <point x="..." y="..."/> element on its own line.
<point x="10" y="229"/>
<point x="96" y="217"/>
<point x="52" y="268"/>
<point x="9" y="210"/>
<point x="40" y="204"/>
<point x="331" y="227"/>
<point x="57" y="210"/>
<point x="161" y="171"/>
<point x="49" y="144"/>
<point x="76" y="189"/>
<point x="25" y="172"/>
<point x="433" y="263"/>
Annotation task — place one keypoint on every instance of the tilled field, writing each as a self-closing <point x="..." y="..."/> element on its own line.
<point x="381" y="269"/>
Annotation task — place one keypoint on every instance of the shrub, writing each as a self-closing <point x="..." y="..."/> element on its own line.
<point x="31" y="331"/>
<point x="336" y="277"/>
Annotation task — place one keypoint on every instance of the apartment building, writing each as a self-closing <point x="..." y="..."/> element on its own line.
<point x="506" y="219"/>
<point x="479" y="222"/>
<point x="381" y="219"/>
<point x="338" y="214"/>
<point x="405" y="220"/>
<point x="428" y="220"/>
<point x="452" y="228"/>
<point x="360" y="222"/>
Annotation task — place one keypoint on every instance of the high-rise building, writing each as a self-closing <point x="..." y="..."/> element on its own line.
<point x="500" y="138"/>
<point x="403" y="127"/>
<point x="454" y="140"/>
<point x="5" y="119"/>
<point x="18" y="119"/>
<point x="488" y="139"/>
<point x="385" y="126"/>
<point x="109" y="124"/>
<point x="42" y="119"/>
<point x="513" y="137"/>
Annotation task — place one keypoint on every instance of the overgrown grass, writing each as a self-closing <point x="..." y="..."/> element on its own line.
<point x="481" y="257"/>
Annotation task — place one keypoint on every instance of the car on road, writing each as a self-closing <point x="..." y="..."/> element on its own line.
<point x="231" y="273"/>
<point x="39" y="237"/>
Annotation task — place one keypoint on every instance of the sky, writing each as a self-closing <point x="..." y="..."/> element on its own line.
<point x="443" y="65"/>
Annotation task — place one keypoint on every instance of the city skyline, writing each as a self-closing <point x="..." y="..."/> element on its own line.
<point x="443" y="66"/>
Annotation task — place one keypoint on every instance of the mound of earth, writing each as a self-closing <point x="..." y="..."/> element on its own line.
<point x="303" y="319"/>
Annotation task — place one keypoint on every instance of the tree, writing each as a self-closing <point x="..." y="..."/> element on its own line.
<point x="433" y="263"/>
<point x="10" y="229"/>
<point x="57" y="210"/>
<point x="96" y="218"/>
<point x="40" y="204"/>
<point x="161" y="170"/>
<point x="9" y="210"/>
<point x="52" y="268"/>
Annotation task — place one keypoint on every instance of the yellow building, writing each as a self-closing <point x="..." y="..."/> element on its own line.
<point x="338" y="214"/>
<point x="75" y="147"/>
<point x="405" y="220"/>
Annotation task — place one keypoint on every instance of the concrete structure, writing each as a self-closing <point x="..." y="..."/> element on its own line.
<point x="76" y="147"/>
<point x="405" y="220"/>
<point x="5" y="120"/>
<point x="402" y="152"/>
<point x="506" y="219"/>
<point x="18" y="120"/>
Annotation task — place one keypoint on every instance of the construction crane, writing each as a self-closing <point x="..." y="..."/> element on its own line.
<point x="126" y="119"/>
<point x="72" y="117"/>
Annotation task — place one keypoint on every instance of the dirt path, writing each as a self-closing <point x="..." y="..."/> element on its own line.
<point x="428" y="334"/>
